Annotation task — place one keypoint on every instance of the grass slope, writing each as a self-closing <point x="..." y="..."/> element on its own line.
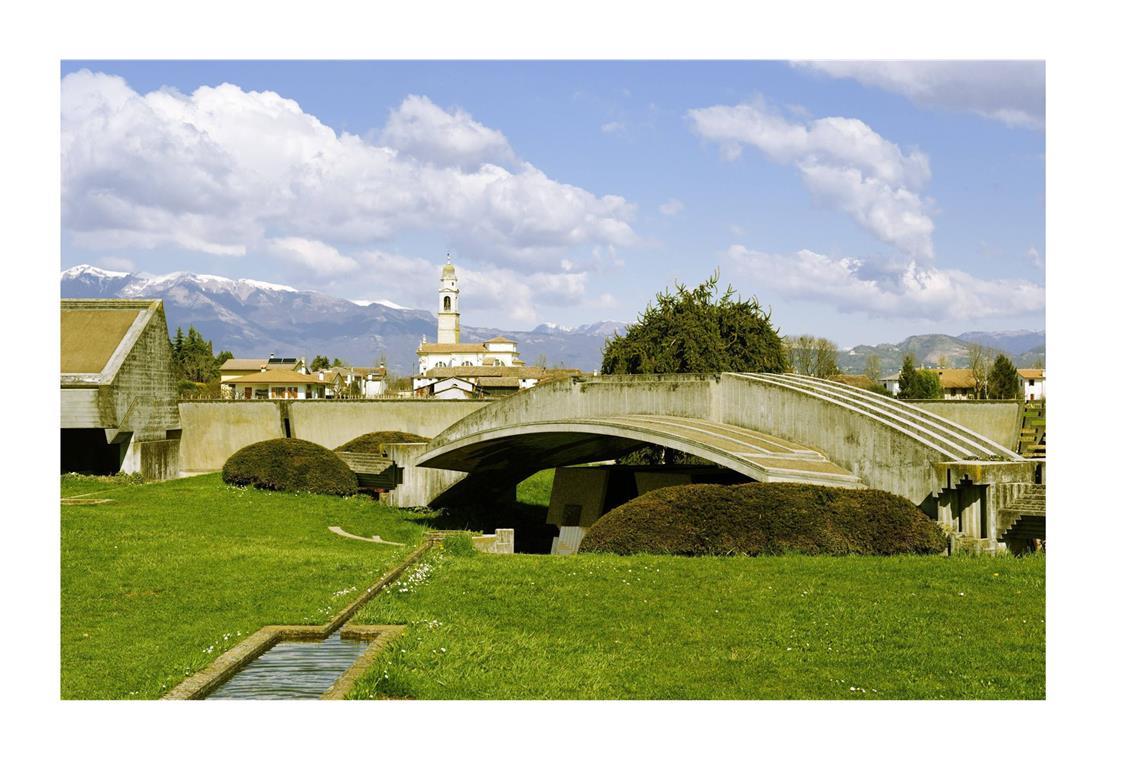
<point x="165" y="577"/>
<point x="790" y="627"/>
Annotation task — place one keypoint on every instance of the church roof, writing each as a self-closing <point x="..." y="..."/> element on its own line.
<point x="500" y="339"/>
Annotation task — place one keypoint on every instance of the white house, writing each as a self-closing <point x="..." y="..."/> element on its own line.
<point x="891" y="383"/>
<point x="1032" y="384"/>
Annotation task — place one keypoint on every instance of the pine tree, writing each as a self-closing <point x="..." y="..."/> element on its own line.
<point x="1003" y="380"/>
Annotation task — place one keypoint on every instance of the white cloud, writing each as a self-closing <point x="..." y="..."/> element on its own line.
<point x="496" y="289"/>
<point x="223" y="170"/>
<point x="422" y="129"/>
<point x="842" y="161"/>
<point x="1035" y="257"/>
<point x="613" y="126"/>
<point x="908" y="290"/>
<point x="671" y="207"/>
<point x="117" y="263"/>
<point x="312" y="255"/>
<point x="1012" y="92"/>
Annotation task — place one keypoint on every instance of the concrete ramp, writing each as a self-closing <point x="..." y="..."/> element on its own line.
<point x="553" y="443"/>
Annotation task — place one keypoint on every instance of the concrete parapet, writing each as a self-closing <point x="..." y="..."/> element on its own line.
<point x="332" y="422"/>
<point x="213" y="430"/>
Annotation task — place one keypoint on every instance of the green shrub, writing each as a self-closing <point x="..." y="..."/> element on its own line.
<point x="764" y="518"/>
<point x="290" y="464"/>
<point x="373" y="443"/>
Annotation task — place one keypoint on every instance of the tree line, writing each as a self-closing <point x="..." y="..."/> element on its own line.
<point x="700" y="329"/>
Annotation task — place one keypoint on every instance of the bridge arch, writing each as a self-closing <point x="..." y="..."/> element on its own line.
<point x="852" y="436"/>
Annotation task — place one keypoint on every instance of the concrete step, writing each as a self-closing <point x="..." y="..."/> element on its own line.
<point x="957" y="441"/>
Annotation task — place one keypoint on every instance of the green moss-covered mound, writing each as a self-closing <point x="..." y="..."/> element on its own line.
<point x="372" y="443"/>
<point x="289" y="464"/>
<point x="765" y="518"/>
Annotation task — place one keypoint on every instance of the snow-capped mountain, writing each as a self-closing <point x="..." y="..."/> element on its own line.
<point x="602" y="329"/>
<point x="251" y="318"/>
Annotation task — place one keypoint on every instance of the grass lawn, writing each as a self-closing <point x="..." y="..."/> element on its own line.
<point x="163" y="578"/>
<point x="536" y="489"/>
<point x="642" y="627"/>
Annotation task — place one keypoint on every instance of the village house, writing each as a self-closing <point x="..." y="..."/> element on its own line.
<point x="957" y="384"/>
<point x="1032" y="384"/>
<point x="277" y="383"/>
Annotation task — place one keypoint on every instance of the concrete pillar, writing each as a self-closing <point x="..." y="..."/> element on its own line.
<point x="970" y="505"/>
<point x="946" y="517"/>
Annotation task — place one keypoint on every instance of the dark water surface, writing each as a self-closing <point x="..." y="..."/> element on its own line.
<point x="293" y="670"/>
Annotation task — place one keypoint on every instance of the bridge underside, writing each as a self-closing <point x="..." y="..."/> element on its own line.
<point x="526" y="448"/>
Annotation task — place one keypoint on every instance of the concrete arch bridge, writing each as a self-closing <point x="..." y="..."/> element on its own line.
<point x="766" y="427"/>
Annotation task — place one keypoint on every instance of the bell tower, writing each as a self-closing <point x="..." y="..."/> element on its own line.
<point x="448" y="305"/>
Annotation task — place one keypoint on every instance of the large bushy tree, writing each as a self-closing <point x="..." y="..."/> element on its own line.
<point x="697" y="330"/>
<point x="1003" y="380"/>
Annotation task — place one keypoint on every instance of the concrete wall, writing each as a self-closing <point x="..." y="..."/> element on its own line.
<point x="879" y="455"/>
<point x="144" y="390"/>
<point x="421" y="484"/>
<point x="998" y="420"/>
<point x="333" y="422"/>
<point x="213" y="430"/>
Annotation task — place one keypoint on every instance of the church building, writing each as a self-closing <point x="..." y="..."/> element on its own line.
<point x="447" y="351"/>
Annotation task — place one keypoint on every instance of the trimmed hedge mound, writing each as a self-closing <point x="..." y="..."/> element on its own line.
<point x="765" y="518"/>
<point x="289" y="464"/>
<point x="372" y="443"/>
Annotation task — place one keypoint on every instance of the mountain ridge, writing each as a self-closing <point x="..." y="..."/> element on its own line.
<point x="255" y="318"/>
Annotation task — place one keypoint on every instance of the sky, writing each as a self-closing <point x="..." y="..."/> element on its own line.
<point x="860" y="201"/>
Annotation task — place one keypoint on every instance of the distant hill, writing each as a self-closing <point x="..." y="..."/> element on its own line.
<point x="251" y="318"/>
<point x="1024" y="347"/>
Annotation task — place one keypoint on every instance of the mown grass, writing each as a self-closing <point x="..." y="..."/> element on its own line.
<point x="536" y="489"/>
<point x="642" y="627"/>
<point x="159" y="581"/>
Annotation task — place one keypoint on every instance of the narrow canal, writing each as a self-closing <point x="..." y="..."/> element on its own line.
<point x="293" y="670"/>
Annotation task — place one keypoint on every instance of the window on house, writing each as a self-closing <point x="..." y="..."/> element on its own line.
<point x="447" y="303"/>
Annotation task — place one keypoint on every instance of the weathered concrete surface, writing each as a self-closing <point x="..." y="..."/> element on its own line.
<point x="997" y="419"/>
<point x="552" y="443"/>
<point x="332" y="422"/>
<point x="213" y="430"/>
<point x="884" y="443"/>
<point x="124" y="386"/>
<point x="421" y="484"/>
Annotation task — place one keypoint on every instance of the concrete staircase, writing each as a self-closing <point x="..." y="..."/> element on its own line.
<point x="1031" y="442"/>
<point x="1023" y="518"/>
<point x="954" y="441"/>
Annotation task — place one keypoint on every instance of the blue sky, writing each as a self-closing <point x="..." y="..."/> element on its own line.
<point x="862" y="201"/>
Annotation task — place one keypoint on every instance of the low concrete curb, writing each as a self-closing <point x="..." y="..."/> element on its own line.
<point x="199" y="685"/>
<point x="381" y="636"/>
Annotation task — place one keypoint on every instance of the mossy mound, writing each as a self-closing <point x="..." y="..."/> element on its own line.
<point x="373" y="443"/>
<point x="290" y="464"/>
<point x="765" y="518"/>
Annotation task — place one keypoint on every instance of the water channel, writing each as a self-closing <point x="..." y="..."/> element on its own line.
<point x="293" y="670"/>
